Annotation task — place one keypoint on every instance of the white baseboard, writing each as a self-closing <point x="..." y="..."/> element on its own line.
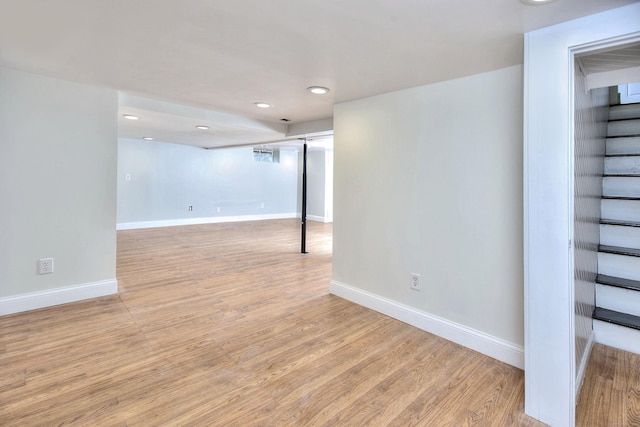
<point x="319" y="218"/>
<point x="197" y="221"/>
<point x="41" y="299"/>
<point x="584" y="362"/>
<point x="475" y="340"/>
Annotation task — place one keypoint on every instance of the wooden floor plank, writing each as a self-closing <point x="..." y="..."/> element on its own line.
<point x="610" y="395"/>
<point x="227" y="324"/>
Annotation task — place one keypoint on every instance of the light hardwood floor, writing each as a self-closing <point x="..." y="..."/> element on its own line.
<point x="227" y="324"/>
<point x="610" y="395"/>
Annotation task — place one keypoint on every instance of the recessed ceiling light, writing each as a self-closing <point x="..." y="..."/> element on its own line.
<point x="318" y="90"/>
<point x="536" y="2"/>
<point x="130" y="117"/>
<point x="202" y="127"/>
<point x="262" y="104"/>
<point x="147" y="138"/>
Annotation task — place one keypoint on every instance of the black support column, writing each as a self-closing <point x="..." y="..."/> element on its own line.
<point x="303" y="240"/>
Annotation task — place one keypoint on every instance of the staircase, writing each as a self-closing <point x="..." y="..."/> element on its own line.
<point x="617" y="313"/>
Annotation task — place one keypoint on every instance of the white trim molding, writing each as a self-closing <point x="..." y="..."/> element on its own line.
<point x="582" y="368"/>
<point x="197" y="221"/>
<point x="319" y="218"/>
<point x="50" y="297"/>
<point x="481" y="342"/>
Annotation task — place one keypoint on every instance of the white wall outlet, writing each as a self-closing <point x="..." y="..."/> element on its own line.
<point x="127" y="177"/>
<point x="414" y="281"/>
<point x="218" y="209"/>
<point x="45" y="265"/>
<point x="262" y="205"/>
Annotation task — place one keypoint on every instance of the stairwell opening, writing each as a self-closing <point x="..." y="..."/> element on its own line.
<point x="551" y="385"/>
<point x="606" y="203"/>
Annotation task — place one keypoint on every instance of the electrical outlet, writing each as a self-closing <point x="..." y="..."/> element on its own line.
<point x="190" y="208"/>
<point x="262" y="205"/>
<point x="218" y="209"/>
<point x="414" y="281"/>
<point x="45" y="265"/>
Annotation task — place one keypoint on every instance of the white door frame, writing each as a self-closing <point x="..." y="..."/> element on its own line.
<point x="550" y="367"/>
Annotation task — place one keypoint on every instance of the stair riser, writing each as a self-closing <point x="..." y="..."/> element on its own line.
<point x="621" y="112"/>
<point x="624" y="128"/>
<point x="623" y="210"/>
<point x="623" y="145"/>
<point x="617" y="336"/>
<point x="626" y="267"/>
<point x="610" y="297"/>
<point x="617" y="235"/>
<point x="621" y="186"/>
<point x="622" y="165"/>
<point x="618" y="299"/>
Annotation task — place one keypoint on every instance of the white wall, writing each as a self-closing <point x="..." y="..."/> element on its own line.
<point x="550" y="380"/>
<point x="315" y="183"/>
<point x="591" y="118"/>
<point x="58" y="190"/>
<point x="320" y="185"/>
<point x="165" y="179"/>
<point x="429" y="180"/>
<point x="328" y="189"/>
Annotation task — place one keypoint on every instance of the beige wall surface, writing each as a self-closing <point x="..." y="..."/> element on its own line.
<point x="428" y="180"/>
<point x="58" y="147"/>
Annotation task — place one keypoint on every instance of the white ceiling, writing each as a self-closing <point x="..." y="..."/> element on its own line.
<point x="611" y="59"/>
<point x="212" y="59"/>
